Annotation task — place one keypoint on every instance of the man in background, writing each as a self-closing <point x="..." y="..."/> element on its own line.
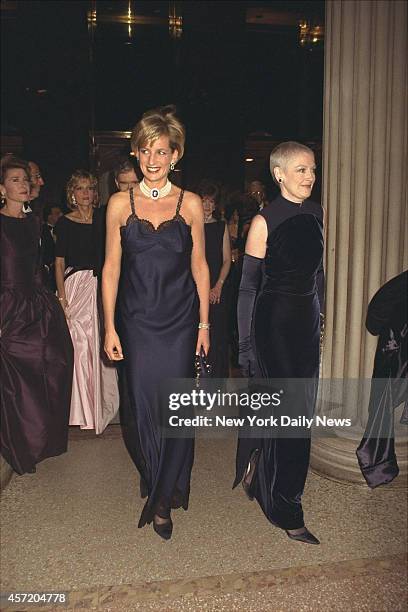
<point x="257" y="191"/>
<point x="37" y="181"/>
<point x="125" y="175"/>
<point x="48" y="237"/>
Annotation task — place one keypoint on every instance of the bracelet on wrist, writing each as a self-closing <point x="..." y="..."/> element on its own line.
<point x="203" y="326"/>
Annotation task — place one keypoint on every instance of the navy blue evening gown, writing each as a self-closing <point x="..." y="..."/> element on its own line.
<point x="158" y="329"/>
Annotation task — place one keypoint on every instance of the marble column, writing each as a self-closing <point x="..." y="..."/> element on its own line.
<point x="364" y="196"/>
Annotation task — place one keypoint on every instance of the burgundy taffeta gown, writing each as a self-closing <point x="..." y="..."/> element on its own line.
<point x="35" y="351"/>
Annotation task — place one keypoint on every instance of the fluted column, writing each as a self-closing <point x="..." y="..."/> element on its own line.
<point x="364" y="195"/>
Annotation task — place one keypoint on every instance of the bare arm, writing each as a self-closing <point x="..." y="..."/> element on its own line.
<point x="59" y="279"/>
<point x="199" y="267"/>
<point x="215" y="293"/>
<point x="257" y="237"/>
<point x="110" y="276"/>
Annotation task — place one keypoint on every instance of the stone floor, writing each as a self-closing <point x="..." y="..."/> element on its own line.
<point x="72" y="527"/>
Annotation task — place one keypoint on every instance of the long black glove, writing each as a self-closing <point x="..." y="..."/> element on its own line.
<point x="248" y="289"/>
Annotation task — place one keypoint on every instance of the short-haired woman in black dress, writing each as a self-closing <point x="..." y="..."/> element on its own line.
<point x="279" y="307"/>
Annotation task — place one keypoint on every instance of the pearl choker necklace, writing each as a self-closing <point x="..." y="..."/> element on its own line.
<point x="155" y="193"/>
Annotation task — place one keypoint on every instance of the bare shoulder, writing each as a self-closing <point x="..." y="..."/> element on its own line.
<point x="257" y="237"/>
<point x="192" y="207"/>
<point x="119" y="207"/>
<point x="120" y="198"/>
<point x="258" y="224"/>
<point x="192" y="200"/>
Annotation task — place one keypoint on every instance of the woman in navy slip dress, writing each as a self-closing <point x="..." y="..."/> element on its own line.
<point x="155" y="233"/>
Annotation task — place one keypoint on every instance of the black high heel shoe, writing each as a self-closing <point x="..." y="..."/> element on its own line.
<point x="304" y="536"/>
<point x="164" y="530"/>
<point x="247" y="482"/>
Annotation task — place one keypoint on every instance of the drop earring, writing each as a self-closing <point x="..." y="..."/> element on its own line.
<point x="74" y="202"/>
<point x="172" y="165"/>
<point x="3" y="199"/>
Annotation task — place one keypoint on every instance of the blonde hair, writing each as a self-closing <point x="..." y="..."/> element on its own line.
<point x="159" y="122"/>
<point x="77" y="176"/>
<point x="283" y="152"/>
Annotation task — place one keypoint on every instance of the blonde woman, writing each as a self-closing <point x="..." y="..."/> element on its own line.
<point x="155" y="233"/>
<point x="95" y="397"/>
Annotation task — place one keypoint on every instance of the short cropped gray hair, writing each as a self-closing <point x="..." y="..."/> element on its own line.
<point x="283" y="152"/>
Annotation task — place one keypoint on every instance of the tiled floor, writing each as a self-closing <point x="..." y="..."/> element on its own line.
<point x="72" y="527"/>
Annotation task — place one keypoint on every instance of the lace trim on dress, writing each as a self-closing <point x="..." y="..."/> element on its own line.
<point x="148" y="224"/>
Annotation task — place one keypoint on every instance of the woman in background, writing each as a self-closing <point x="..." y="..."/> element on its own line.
<point x="95" y="396"/>
<point x="35" y="345"/>
<point x="218" y="256"/>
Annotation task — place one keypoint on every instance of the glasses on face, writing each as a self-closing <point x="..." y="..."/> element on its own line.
<point x="125" y="186"/>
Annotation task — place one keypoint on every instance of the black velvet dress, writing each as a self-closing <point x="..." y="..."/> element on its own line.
<point x="218" y="355"/>
<point x="36" y="353"/>
<point x="158" y="329"/>
<point x="285" y="340"/>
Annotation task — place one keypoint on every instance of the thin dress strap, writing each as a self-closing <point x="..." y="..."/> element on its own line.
<point x="180" y="200"/>
<point x="132" y="202"/>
